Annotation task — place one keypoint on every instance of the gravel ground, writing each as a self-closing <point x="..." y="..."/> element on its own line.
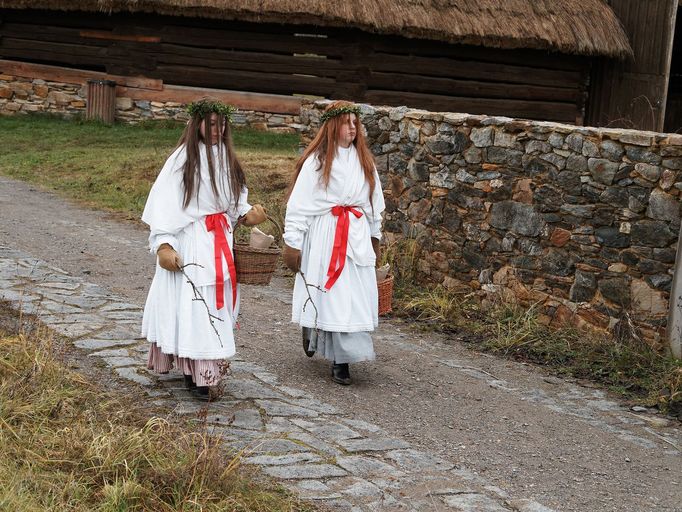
<point x="569" y="446"/>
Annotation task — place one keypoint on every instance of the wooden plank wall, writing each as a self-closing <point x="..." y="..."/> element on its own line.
<point x="673" y="109"/>
<point x="304" y="60"/>
<point x="632" y="94"/>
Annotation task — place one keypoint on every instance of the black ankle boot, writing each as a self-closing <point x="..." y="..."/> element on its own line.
<point x="189" y="382"/>
<point x="201" y="393"/>
<point x="341" y="374"/>
<point x="306" y="342"/>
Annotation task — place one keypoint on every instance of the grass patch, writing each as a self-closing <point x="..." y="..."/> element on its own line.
<point x="69" y="445"/>
<point x="112" y="167"/>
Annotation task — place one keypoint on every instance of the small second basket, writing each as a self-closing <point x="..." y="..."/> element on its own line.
<point x="256" y="266"/>
<point x="385" y="287"/>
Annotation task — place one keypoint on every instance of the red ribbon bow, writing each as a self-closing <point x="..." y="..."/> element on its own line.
<point x="338" y="260"/>
<point x="218" y="223"/>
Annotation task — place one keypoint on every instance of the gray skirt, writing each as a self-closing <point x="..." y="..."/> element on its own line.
<point x="341" y="347"/>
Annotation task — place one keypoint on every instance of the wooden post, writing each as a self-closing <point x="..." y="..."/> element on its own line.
<point x="101" y="104"/>
<point x="674" y="328"/>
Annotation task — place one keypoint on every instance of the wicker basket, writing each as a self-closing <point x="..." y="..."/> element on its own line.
<point x="385" y="288"/>
<point x="256" y="266"/>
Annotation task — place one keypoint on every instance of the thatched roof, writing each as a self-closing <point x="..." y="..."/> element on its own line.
<point x="584" y="27"/>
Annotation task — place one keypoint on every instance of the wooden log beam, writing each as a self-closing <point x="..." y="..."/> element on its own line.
<point x="553" y="111"/>
<point x="275" y="104"/>
<point x="110" y="36"/>
<point x="74" y="76"/>
<point x="140" y="88"/>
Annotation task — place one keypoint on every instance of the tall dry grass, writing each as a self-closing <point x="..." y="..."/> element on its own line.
<point x="69" y="445"/>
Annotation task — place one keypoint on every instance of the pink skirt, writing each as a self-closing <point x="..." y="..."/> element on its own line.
<point x="204" y="372"/>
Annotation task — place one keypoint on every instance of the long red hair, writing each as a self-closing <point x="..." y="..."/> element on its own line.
<point x="325" y="144"/>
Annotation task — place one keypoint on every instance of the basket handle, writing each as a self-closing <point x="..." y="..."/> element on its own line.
<point x="280" y="233"/>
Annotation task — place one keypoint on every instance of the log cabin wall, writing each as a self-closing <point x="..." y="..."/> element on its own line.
<point x="304" y="60"/>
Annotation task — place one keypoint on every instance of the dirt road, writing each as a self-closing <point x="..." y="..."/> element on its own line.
<point x="567" y="446"/>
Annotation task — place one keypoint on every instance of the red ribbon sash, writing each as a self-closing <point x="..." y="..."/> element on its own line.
<point x="218" y="223"/>
<point x="338" y="260"/>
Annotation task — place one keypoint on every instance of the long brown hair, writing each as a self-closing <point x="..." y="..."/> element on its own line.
<point x="191" y="171"/>
<point x="325" y="144"/>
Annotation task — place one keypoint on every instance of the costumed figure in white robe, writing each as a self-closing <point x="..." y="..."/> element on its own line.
<point x="332" y="235"/>
<point x="192" y="210"/>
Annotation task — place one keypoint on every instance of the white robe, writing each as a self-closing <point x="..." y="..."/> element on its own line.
<point x="351" y="305"/>
<point x="172" y="319"/>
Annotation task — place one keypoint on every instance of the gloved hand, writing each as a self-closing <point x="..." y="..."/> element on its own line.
<point x="255" y="215"/>
<point x="292" y="258"/>
<point x="169" y="259"/>
<point x="376" y="245"/>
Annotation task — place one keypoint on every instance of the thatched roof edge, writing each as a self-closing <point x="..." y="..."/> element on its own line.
<point x="581" y="27"/>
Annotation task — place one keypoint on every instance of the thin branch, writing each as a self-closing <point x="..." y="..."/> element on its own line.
<point x="310" y="298"/>
<point x="199" y="297"/>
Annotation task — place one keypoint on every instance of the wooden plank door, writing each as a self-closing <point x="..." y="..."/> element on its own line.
<point x="633" y="93"/>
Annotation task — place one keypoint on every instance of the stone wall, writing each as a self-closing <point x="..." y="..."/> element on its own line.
<point x="25" y="95"/>
<point x="582" y="222"/>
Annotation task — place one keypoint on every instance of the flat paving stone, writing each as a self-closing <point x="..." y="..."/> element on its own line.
<point x="279" y="460"/>
<point x="295" y="393"/>
<point x="132" y="375"/>
<point x="74" y="318"/>
<point x="366" y="467"/>
<point x="361" y="425"/>
<point x="313" y="490"/>
<point x="274" y="408"/>
<point x="473" y="503"/>
<point x="276" y="446"/>
<point x="60" y="285"/>
<point x="95" y="290"/>
<point x="120" y="306"/>
<point x="315" y="405"/>
<point x="416" y="460"/>
<point x="248" y="389"/>
<point x="267" y="377"/>
<point x="316" y="443"/>
<point x="248" y="419"/>
<point x="83" y="302"/>
<point x="59" y="308"/>
<point x="74" y="330"/>
<point x="373" y="444"/>
<point x="98" y="344"/>
<point x="130" y="316"/>
<point x="356" y="487"/>
<point x="120" y="332"/>
<point x="327" y="430"/>
<point x="116" y="352"/>
<point x="121" y="361"/>
<point x="297" y="471"/>
<point x="245" y="367"/>
<point x="279" y="424"/>
<point x="18" y="296"/>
